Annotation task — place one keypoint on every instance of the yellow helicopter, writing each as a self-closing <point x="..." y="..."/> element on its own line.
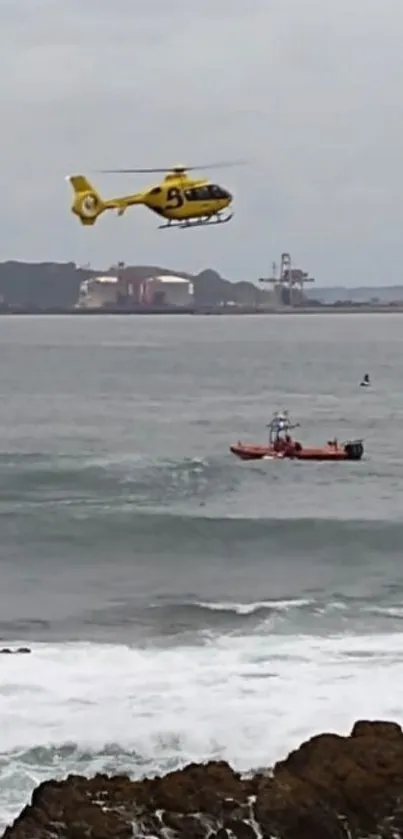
<point x="184" y="201"/>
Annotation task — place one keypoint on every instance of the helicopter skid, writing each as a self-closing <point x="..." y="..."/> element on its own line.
<point x="207" y="221"/>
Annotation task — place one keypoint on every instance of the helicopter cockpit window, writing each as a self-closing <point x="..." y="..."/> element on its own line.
<point x="204" y="193"/>
<point x="194" y="194"/>
<point x="218" y="192"/>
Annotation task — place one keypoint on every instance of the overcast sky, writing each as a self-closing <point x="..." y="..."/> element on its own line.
<point x="309" y="91"/>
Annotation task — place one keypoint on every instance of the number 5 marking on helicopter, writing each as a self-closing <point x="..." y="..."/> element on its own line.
<point x="174" y="196"/>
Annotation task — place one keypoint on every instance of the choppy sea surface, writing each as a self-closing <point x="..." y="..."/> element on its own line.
<point x="182" y="605"/>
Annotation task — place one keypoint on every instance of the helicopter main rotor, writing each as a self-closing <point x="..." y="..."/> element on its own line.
<point x="178" y="169"/>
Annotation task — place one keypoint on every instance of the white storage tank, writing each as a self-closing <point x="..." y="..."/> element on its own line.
<point x="168" y="291"/>
<point x="98" y="292"/>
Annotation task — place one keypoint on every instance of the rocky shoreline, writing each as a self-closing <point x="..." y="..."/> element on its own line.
<point x="331" y="787"/>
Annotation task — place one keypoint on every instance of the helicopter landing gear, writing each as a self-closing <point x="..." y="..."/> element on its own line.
<point x="204" y="221"/>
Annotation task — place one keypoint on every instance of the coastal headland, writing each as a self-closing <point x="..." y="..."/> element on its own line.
<point x="53" y="288"/>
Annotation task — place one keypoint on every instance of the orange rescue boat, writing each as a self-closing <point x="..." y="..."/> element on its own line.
<point x="282" y="446"/>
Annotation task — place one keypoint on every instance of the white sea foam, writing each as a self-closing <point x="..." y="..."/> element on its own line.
<point x="248" y="700"/>
<point x="251" y="608"/>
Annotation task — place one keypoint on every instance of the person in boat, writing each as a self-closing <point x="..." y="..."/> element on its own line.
<point x="279" y="426"/>
<point x="289" y="445"/>
<point x="333" y="444"/>
<point x="365" y="381"/>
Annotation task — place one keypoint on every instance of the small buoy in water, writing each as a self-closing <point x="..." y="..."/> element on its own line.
<point x="365" y="381"/>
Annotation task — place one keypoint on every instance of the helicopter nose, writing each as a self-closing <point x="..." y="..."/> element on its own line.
<point x="228" y="195"/>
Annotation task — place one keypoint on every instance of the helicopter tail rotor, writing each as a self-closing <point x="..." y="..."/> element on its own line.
<point x="87" y="203"/>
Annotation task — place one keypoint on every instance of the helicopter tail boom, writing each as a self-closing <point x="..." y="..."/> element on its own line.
<point x="88" y="203"/>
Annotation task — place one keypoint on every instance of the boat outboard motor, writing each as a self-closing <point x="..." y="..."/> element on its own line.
<point x="354" y="450"/>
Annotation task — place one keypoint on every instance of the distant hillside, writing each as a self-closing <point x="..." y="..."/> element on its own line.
<point x="209" y="287"/>
<point x="47" y="284"/>
<point x="52" y="284"/>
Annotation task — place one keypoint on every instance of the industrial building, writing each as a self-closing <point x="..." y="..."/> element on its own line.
<point x="124" y="292"/>
<point x="98" y="293"/>
<point x="167" y="290"/>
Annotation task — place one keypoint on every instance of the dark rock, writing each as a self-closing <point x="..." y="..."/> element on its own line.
<point x="386" y="730"/>
<point x="7" y="651"/>
<point x="240" y="829"/>
<point x="332" y="787"/>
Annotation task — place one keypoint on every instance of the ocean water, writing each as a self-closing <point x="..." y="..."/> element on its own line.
<point x="182" y="605"/>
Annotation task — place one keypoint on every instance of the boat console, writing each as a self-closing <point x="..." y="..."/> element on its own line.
<point x="354" y="450"/>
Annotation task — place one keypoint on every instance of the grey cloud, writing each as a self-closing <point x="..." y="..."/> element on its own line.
<point x="308" y="91"/>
